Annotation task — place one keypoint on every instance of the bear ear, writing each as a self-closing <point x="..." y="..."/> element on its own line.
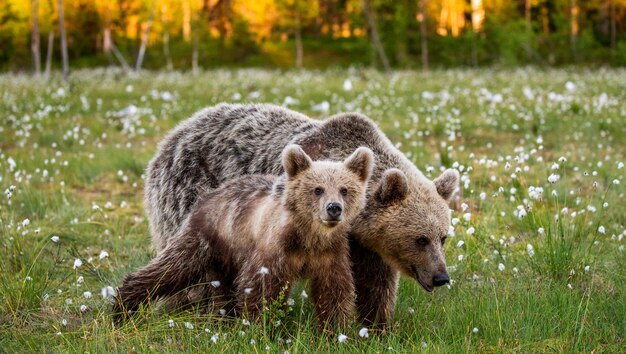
<point x="295" y="160"/>
<point x="361" y="162"/>
<point x="394" y="186"/>
<point x="447" y="183"/>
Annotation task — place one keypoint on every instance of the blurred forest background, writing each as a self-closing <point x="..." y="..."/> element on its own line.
<point x="192" y="34"/>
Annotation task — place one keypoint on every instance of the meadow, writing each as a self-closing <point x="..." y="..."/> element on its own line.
<point x="536" y="246"/>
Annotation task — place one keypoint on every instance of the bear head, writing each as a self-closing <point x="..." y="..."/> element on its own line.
<point x="406" y="222"/>
<point x="326" y="195"/>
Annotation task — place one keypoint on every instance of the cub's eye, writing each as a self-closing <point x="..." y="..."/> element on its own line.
<point x="443" y="240"/>
<point x="422" y="241"/>
<point x="318" y="191"/>
<point x="344" y="191"/>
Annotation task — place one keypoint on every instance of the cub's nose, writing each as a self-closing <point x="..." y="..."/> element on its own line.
<point x="441" y="279"/>
<point x="333" y="210"/>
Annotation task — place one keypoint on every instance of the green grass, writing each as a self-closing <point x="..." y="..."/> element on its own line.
<point x="79" y="161"/>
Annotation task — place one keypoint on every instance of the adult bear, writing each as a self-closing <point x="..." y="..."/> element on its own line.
<point x="402" y="228"/>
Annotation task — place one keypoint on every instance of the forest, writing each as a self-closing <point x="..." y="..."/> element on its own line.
<point x="406" y="34"/>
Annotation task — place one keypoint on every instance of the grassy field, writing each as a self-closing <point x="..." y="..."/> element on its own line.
<point x="537" y="256"/>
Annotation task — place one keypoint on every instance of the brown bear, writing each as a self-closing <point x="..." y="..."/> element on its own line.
<point x="255" y="235"/>
<point x="403" y="225"/>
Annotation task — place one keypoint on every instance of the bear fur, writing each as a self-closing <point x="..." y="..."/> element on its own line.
<point x="255" y="235"/>
<point x="401" y="229"/>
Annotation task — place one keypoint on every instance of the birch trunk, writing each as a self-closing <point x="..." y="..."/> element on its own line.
<point x="374" y="33"/>
<point x="34" y="40"/>
<point x="66" y="66"/>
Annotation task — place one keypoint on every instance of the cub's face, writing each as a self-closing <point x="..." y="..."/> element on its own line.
<point x="407" y="225"/>
<point x="326" y="194"/>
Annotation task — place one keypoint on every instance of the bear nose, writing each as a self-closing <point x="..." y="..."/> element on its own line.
<point x="334" y="210"/>
<point x="441" y="279"/>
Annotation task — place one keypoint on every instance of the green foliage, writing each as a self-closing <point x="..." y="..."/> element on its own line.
<point x="503" y="129"/>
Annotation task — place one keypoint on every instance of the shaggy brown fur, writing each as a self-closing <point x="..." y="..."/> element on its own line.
<point x="401" y="229"/>
<point x="257" y="234"/>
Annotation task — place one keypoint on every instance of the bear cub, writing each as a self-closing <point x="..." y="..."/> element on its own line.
<point x="251" y="238"/>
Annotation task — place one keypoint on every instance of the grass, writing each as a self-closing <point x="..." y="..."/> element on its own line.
<point x="537" y="266"/>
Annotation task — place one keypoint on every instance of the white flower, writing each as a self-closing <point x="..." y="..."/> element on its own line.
<point x="454" y="221"/>
<point x="64" y="322"/>
<point x="530" y="250"/>
<point x="83" y="308"/>
<point x="562" y="159"/>
<point x="216" y="283"/>
<point x="615" y="181"/>
<point x="363" y="332"/>
<point x="471" y="231"/>
<point x="264" y="271"/>
<point x="460" y="257"/>
<point x="342" y="338"/>
<point x="245" y="322"/>
<point x="77" y="263"/>
<point x="222" y="312"/>
<point x="601" y="229"/>
<point x="253" y="341"/>
<point x="103" y="254"/>
<point x="107" y="292"/>
<point x="553" y="178"/>
<point x="460" y="243"/>
<point x="474" y="330"/>
<point x="214" y="338"/>
<point x="541" y="231"/>
<point x="87" y="295"/>
<point x="501" y="267"/>
<point x="620" y="165"/>
<point x="188" y="325"/>
<point x="424" y="345"/>
<point x="587" y="268"/>
<point x="55" y="239"/>
<point x="304" y="295"/>
<point x="170" y="323"/>
<point x="26" y="222"/>
<point x="291" y="302"/>
<point x="467" y="216"/>
<point x="347" y="85"/>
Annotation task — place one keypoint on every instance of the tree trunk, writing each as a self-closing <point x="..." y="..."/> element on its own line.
<point x="299" y="53"/>
<point x="66" y="66"/>
<point x="424" y="34"/>
<point x="194" y="54"/>
<point x="374" y="33"/>
<point x="49" y="54"/>
<point x="119" y="57"/>
<point x="166" y="50"/>
<point x="186" y="20"/>
<point x="34" y="42"/>
<point x="144" y="39"/>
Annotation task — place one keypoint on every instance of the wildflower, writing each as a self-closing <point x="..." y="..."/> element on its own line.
<point x="83" y="308"/>
<point x="471" y="231"/>
<point x="103" y="254"/>
<point x="69" y="301"/>
<point x="501" y="267"/>
<point x="467" y="216"/>
<point x="342" y="338"/>
<point x="215" y="283"/>
<point x="553" y="178"/>
<point x="222" y="312"/>
<point x="252" y="341"/>
<point x="363" y="332"/>
<point x="620" y="165"/>
<point x="587" y="268"/>
<point x="107" y="292"/>
<point x="188" y="325"/>
<point x="601" y="229"/>
<point x="264" y="271"/>
<point x="291" y="302"/>
<point x="460" y="243"/>
<point x="304" y="295"/>
<point x="214" y="338"/>
<point x="460" y="257"/>
<point x="530" y="250"/>
<point x="64" y="322"/>
<point x="541" y="231"/>
<point x="170" y="323"/>
<point x="411" y="310"/>
<point x="474" y="330"/>
<point x="245" y="322"/>
<point x="616" y="181"/>
<point x="77" y="263"/>
<point x="347" y="85"/>
<point x="25" y="223"/>
<point x="87" y="295"/>
<point x="424" y="345"/>
<point x="55" y="239"/>
<point x="562" y="159"/>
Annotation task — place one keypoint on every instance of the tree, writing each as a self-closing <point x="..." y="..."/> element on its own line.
<point x="34" y="42"/>
<point x="66" y="66"/>
<point x="371" y="22"/>
<point x="422" y="17"/>
<point x="144" y="38"/>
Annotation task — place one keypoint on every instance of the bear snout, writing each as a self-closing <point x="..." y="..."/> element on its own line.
<point x="333" y="210"/>
<point x="441" y="279"/>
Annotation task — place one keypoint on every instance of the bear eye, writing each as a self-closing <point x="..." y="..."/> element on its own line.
<point x="443" y="240"/>
<point x="344" y="191"/>
<point x="422" y="241"/>
<point x="318" y="191"/>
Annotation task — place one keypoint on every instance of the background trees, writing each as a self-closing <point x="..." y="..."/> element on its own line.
<point x="294" y="33"/>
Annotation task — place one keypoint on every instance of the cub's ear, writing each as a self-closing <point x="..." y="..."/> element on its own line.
<point x="394" y="186"/>
<point x="295" y="160"/>
<point x="447" y="183"/>
<point x="361" y="162"/>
